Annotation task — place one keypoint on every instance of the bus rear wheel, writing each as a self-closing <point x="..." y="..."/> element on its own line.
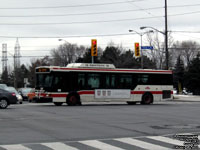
<point x="147" y="99"/>
<point x="58" y="103"/>
<point x="73" y="100"/>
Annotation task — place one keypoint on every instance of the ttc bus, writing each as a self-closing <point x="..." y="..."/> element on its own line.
<point x="84" y="82"/>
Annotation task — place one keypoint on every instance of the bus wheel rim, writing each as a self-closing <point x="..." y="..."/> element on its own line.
<point x="73" y="99"/>
<point x="148" y="99"/>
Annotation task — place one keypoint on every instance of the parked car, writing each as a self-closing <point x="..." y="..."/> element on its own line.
<point x="7" y="98"/>
<point x="19" y="97"/>
<point x="31" y="95"/>
<point x="24" y="92"/>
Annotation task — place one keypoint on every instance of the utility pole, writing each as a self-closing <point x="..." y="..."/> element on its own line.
<point x="166" y="37"/>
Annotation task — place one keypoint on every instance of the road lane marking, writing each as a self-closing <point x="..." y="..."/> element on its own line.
<point x="15" y="147"/>
<point x="59" y="146"/>
<point x="141" y="144"/>
<point x="100" y="145"/>
<point x="166" y="140"/>
<point x="170" y="140"/>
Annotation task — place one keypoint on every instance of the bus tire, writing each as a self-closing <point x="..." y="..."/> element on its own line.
<point x="147" y="99"/>
<point x="58" y="103"/>
<point x="73" y="99"/>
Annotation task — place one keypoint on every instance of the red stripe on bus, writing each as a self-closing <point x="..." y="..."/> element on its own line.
<point x="142" y="92"/>
<point x="58" y="95"/>
<point x="85" y="92"/>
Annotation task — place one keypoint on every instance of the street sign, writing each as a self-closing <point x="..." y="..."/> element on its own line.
<point x="147" y="47"/>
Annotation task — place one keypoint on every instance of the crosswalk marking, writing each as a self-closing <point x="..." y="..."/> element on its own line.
<point x="141" y="144"/>
<point x="159" y="143"/>
<point x="166" y="140"/>
<point x="15" y="147"/>
<point x="100" y="145"/>
<point x="59" y="146"/>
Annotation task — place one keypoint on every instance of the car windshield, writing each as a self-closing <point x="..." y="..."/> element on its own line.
<point x="11" y="89"/>
<point x="26" y="90"/>
<point x="3" y="86"/>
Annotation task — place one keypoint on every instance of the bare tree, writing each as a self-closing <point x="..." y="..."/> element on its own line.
<point x="158" y="53"/>
<point x="187" y="49"/>
<point x="67" y="53"/>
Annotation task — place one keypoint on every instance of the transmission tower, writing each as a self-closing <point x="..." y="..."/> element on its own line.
<point x="17" y="55"/>
<point x="4" y="57"/>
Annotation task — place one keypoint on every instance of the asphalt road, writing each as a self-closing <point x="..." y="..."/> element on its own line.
<point x="31" y="124"/>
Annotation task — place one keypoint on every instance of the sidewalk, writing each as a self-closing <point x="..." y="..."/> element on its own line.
<point x="187" y="98"/>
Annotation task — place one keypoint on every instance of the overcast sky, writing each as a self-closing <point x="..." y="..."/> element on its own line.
<point x="78" y="21"/>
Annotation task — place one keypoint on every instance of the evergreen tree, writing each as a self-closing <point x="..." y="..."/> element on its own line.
<point x="179" y="75"/>
<point x="87" y="58"/>
<point x="192" y="77"/>
<point x="111" y="55"/>
<point x="5" y="77"/>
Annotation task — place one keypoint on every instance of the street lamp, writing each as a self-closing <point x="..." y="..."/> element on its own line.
<point x="166" y="42"/>
<point x="63" y="40"/>
<point x="141" y="34"/>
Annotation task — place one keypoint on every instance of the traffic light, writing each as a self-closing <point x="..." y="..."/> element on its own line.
<point x="94" y="47"/>
<point x="137" y="49"/>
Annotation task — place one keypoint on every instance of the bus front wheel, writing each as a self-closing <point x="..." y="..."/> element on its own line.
<point x="147" y="99"/>
<point x="73" y="100"/>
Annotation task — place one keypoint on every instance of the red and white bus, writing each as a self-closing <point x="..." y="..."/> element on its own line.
<point x="81" y="82"/>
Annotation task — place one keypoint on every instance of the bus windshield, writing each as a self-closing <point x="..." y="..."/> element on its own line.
<point x="44" y="80"/>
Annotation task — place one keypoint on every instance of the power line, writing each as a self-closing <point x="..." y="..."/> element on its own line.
<point x="187" y="31"/>
<point x="80" y="14"/>
<point x="67" y="6"/>
<point x="188" y="5"/>
<point x="81" y="22"/>
<point x="97" y="21"/>
<point x="79" y="36"/>
<point x="69" y="36"/>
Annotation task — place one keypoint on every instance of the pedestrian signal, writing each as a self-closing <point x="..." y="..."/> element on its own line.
<point x="94" y="47"/>
<point x="137" y="49"/>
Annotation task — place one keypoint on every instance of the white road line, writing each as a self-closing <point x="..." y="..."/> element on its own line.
<point x="141" y="144"/>
<point x="169" y="140"/>
<point x="15" y="147"/>
<point x="59" y="146"/>
<point x="100" y="145"/>
<point x="166" y="140"/>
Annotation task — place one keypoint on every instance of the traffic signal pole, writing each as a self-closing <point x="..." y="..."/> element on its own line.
<point x="92" y="59"/>
<point x="142" y="61"/>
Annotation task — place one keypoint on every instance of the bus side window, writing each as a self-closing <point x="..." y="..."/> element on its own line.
<point x="110" y="81"/>
<point x="125" y="82"/>
<point x="81" y="81"/>
<point x="93" y="81"/>
<point x="143" y="79"/>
